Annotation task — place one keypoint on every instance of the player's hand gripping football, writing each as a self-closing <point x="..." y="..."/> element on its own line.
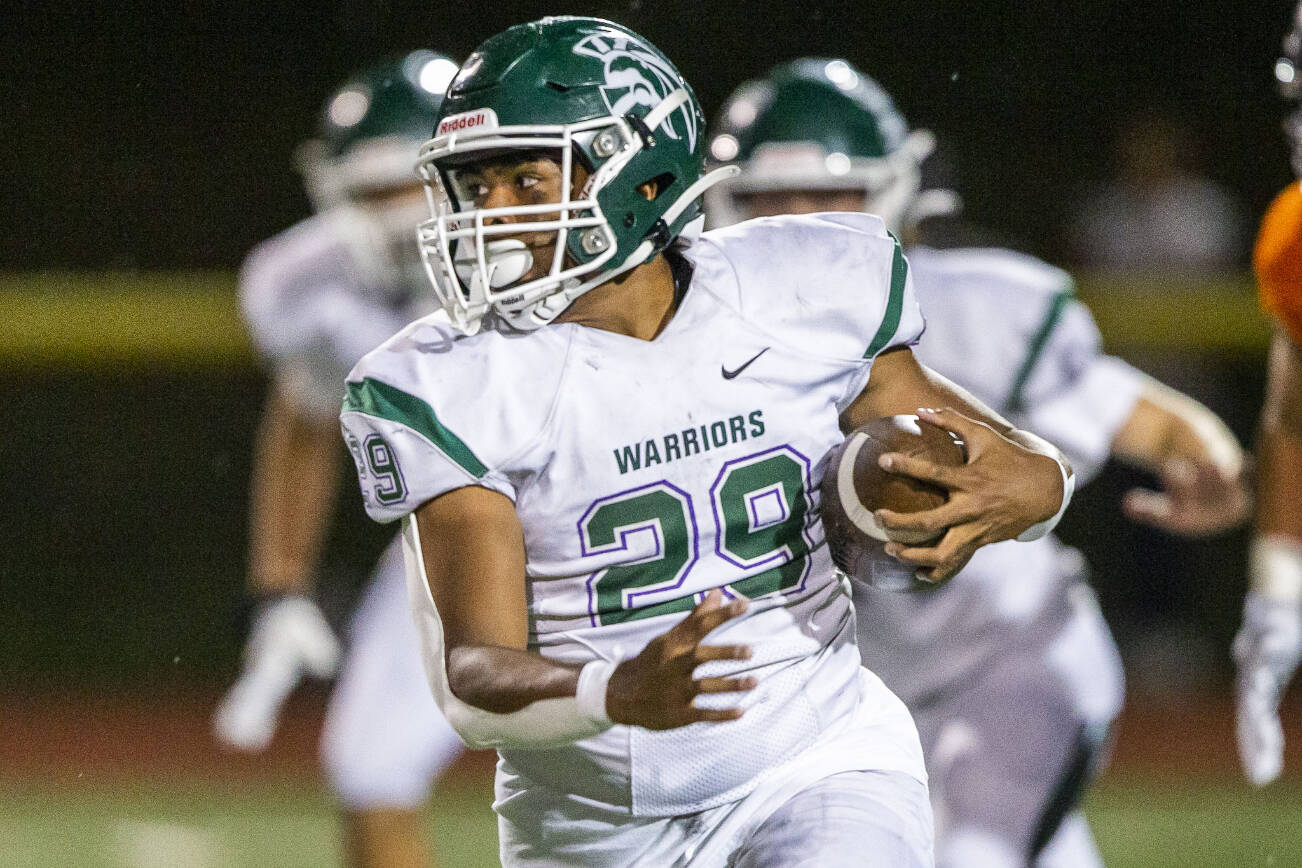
<point x="1196" y="499"/>
<point x="657" y="689"/>
<point x="1266" y="654"/>
<point x="288" y="639"/>
<point x="1003" y="489"/>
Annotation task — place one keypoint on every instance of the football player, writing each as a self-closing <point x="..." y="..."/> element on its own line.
<point x="316" y="297"/>
<point x="1269" y="644"/>
<point x="1010" y="671"/>
<point x="605" y="474"/>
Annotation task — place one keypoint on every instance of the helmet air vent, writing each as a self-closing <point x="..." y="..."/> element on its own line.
<point x="662" y="182"/>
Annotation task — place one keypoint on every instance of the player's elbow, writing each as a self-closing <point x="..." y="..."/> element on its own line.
<point x="473" y="679"/>
<point x="469" y="728"/>
<point x="1201" y="435"/>
<point x="1167" y="425"/>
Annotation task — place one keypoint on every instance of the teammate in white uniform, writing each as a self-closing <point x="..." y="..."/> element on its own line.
<point x="1010" y="671"/>
<point x="316" y="298"/>
<point x="607" y="477"/>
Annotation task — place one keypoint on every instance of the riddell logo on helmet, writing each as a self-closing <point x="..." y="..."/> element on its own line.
<point x="484" y="118"/>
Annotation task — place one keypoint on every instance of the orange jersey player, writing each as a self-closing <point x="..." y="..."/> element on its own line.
<point x="1277" y="259"/>
<point x="1269" y="645"/>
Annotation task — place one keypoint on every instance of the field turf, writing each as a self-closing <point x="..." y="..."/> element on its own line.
<point x="1137" y="822"/>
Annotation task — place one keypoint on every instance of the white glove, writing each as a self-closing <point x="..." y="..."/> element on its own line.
<point x="1266" y="652"/>
<point x="288" y="639"/>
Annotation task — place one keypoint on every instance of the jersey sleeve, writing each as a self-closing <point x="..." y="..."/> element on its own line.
<point x="1277" y="260"/>
<point x="833" y="285"/>
<point x="406" y="447"/>
<point x="1069" y="392"/>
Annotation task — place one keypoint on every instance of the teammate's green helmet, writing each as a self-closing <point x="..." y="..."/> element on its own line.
<point x="1288" y="73"/>
<point x="582" y="89"/>
<point x="372" y="127"/>
<point x="818" y="124"/>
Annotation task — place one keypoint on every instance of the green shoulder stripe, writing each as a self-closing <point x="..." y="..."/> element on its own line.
<point x="894" y="304"/>
<point x="374" y="398"/>
<point x="1016" y="395"/>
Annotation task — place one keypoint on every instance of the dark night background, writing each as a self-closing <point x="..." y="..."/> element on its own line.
<point x="160" y="135"/>
<point x="150" y="136"/>
<point x="145" y="147"/>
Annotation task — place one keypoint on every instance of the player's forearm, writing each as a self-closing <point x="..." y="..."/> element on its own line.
<point x="472" y="552"/>
<point x="1279" y="458"/>
<point x="1276" y="556"/>
<point x="466" y="546"/>
<point x="503" y="680"/>
<point x="950" y="394"/>
<point x="294" y="484"/>
<point x="1279" y="504"/>
<point x="900" y="384"/>
<point x="1166" y="426"/>
<point x="1282" y="408"/>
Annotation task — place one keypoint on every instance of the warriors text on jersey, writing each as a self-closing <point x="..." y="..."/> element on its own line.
<point x="1277" y="259"/>
<point x="645" y="473"/>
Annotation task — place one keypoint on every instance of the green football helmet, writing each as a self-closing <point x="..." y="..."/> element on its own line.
<point x="586" y="90"/>
<point x="372" y="127"/>
<point x="370" y="133"/>
<point x="821" y="124"/>
<point x="1288" y="73"/>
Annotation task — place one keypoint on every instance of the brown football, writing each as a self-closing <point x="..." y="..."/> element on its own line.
<point x="854" y="485"/>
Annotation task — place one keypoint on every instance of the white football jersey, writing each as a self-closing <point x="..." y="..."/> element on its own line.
<point x="312" y="312"/>
<point x="645" y="473"/>
<point x="1007" y="327"/>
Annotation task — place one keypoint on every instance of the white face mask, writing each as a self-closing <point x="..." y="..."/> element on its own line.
<point x="475" y="271"/>
<point x="1293" y="132"/>
<point x="383" y="245"/>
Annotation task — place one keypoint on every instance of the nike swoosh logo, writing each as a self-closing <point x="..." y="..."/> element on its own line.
<point x="728" y="375"/>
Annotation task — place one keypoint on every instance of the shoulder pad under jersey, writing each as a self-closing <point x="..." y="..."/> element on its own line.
<point x="832" y="285"/>
<point x="432" y="409"/>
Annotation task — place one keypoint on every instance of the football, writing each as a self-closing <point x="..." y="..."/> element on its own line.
<point x="854" y="486"/>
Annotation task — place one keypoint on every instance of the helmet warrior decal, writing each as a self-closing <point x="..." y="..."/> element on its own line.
<point x="638" y="77"/>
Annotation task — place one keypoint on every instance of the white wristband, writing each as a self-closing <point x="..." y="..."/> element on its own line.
<point x="1275" y="568"/>
<point x="1035" y="531"/>
<point x="590" y="695"/>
